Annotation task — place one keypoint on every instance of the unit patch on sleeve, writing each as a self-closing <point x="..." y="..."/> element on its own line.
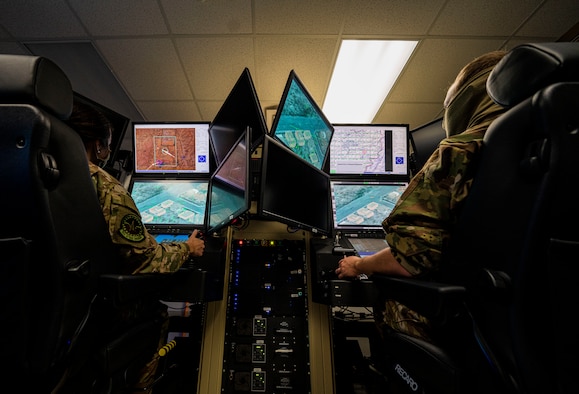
<point x="131" y="228"/>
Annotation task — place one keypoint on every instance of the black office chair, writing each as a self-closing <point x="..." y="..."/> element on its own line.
<point x="503" y="303"/>
<point x="58" y="270"/>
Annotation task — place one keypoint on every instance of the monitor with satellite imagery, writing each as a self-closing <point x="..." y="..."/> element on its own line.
<point x="301" y="125"/>
<point x="171" y="148"/>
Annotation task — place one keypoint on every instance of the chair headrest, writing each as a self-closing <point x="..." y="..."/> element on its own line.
<point x="35" y="80"/>
<point x="529" y="68"/>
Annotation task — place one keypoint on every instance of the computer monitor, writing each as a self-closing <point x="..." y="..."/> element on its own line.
<point x="292" y="191"/>
<point x="425" y="140"/>
<point x="229" y="194"/>
<point x="361" y="206"/>
<point x="171" y="148"/>
<point x="301" y="125"/>
<point x="118" y="121"/>
<point x="240" y="110"/>
<point x="380" y="150"/>
<point x="171" y="205"/>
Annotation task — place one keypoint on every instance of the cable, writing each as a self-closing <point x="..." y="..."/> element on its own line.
<point x="167" y="348"/>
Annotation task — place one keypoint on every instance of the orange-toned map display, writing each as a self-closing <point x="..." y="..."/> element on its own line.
<point x="169" y="149"/>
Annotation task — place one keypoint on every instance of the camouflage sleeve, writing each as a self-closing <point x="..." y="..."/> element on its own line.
<point x="168" y="257"/>
<point x="418" y="228"/>
<point x="137" y="247"/>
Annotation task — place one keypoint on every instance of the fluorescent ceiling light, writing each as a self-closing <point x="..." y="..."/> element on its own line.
<point x="365" y="72"/>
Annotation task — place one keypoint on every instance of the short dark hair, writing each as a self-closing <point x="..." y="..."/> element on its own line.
<point x="90" y="123"/>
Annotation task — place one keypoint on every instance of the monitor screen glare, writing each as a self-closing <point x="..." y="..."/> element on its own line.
<point x="300" y="124"/>
<point x="162" y="148"/>
<point x="292" y="191"/>
<point x="229" y="196"/>
<point x="369" y="149"/>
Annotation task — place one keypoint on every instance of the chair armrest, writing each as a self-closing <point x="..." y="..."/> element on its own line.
<point x="436" y="301"/>
<point x="125" y="288"/>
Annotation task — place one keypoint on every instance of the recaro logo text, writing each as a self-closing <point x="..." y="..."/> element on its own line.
<point x="404" y="375"/>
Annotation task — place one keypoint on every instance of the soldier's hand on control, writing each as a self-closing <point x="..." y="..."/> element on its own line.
<point x="196" y="244"/>
<point x="347" y="267"/>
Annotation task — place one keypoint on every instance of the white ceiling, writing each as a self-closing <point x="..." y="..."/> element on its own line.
<point x="176" y="60"/>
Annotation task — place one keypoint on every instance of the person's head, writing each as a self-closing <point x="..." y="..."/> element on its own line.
<point x="469" y="86"/>
<point x="472" y="69"/>
<point x="94" y="129"/>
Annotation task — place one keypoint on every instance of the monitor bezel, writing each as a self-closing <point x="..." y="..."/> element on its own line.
<point x="171" y="173"/>
<point x="161" y="228"/>
<point x="417" y="158"/>
<point x="293" y="77"/>
<point x="215" y="180"/>
<point x="267" y="213"/>
<point x="377" y="176"/>
<point x="220" y="123"/>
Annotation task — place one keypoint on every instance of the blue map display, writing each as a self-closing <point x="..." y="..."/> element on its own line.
<point x="226" y="203"/>
<point x="301" y="127"/>
<point x="171" y="202"/>
<point x="364" y="204"/>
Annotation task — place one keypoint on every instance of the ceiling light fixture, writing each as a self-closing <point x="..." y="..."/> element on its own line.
<point x="365" y="72"/>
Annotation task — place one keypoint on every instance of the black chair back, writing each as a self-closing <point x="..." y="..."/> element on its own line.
<point x="53" y="240"/>
<point x="503" y="300"/>
<point x="514" y="246"/>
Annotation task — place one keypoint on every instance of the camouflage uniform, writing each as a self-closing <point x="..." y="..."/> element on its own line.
<point x="140" y="253"/>
<point x="418" y="229"/>
<point x="138" y="249"/>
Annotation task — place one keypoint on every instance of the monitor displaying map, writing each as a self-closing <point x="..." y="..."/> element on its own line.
<point x="369" y="149"/>
<point x="363" y="205"/>
<point x="301" y="125"/>
<point x="176" y="203"/>
<point x="171" y="148"/>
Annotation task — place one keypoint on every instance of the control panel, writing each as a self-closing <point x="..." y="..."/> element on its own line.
<point x="266" y="332"/>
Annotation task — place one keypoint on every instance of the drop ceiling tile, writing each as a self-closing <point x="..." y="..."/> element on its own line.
<point x="44" y="19"/>
<point x="311" y="58"/>
<point x="555" y="18"/>
<point x="483" y="18"/>
<point x="127" y="17"/>
<point x="149" y="68"/>
<point x="209" y="109"/>
<point x="169" y="111"/>
<point x="214" y="64"/>
<point x="299" y="17"/>
<point x="208" y="17"/>
<point x="394" y="18"/>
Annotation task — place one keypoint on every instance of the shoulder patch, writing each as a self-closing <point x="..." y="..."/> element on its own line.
<point x="131" y="228"/>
